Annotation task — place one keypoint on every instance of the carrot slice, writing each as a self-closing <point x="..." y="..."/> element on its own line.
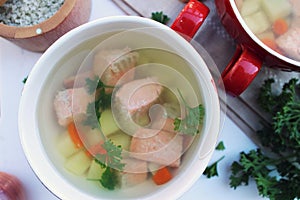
<point x="162" y="176"/>
<point x="74" y="135"/>
<point x="270" y="43"/>
<point x="280" y="26"/>
<point x="96" y="149"/>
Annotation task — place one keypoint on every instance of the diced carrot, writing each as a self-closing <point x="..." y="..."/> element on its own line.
<point x="96" y="149"/>
<point x="280" y="26"/>
<point x="75" y="135"/>
<point x="162" y="176"/>
<point x="270" y="43"/>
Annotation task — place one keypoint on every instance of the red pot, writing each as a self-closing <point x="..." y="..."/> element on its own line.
<point x="251" y="52"/>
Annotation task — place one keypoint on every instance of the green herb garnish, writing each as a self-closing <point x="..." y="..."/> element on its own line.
<point x="25" y="79"/>
<point x="112" y="157"/>
<point x="109" y="178"/>
<point x="102" y="101"/>
<point x="277" y="174"/>
<point x="212" y="170"/>
<point x="160" y="17"/>
<point x="220" y="146"/>
<point x="111" y="161"/>
<point x="194" y="118"/>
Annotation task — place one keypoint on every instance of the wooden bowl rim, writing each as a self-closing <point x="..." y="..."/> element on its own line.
<point x="14" y="32"/>
<point x="2" y="2"/>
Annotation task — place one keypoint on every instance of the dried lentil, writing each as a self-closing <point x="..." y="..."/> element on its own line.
<point x="28" y="12"/>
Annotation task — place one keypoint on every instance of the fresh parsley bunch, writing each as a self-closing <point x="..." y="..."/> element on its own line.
<point x="276" y="173"/>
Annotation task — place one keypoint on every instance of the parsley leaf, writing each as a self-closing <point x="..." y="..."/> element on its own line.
<point x="190" y="124"/>
<point x="24" y="80"/>
<point x="111" y="161"/>
<point x="160" y="17"/>
<point x="277" y="174"/>
<point x="113" y="156"/>
<point x="102" y="101"/>
<point x="212" y="170"/>
<point x="109" y="178"/>
<point x="220" y="146"/>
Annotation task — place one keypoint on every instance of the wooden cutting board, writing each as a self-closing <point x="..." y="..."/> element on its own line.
<point x="243" y="110"/>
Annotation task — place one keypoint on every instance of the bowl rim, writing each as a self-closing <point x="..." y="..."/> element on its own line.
<point x="18" y="32"/>
<point x="28" y="123"/>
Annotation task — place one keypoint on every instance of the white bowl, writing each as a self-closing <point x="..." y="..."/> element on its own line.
<point x="38" y="127"/>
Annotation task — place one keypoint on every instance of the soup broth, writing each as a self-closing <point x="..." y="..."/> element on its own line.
<point x="275" y="22"/>
<point x="172" y="88"/>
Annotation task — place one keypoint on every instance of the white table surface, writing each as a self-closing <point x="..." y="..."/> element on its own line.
<point x="15" y="65"/>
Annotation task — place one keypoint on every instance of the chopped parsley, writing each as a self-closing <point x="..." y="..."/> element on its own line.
<point x="220" y="146"/>
<point x="111" y="162"/>
<point x="190" y="124"/>
<point x="24" y="80"/>
<point x="212" y="170"/>
<point x="160" y="17"/>
<point x="102" y="101"/>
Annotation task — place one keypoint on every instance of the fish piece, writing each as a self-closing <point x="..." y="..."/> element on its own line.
<point x="290" y="42"/>
<point x="161" y="147"/>
<point x="112" y="65"/>
<point x="166" y="124"/>
<point x="296" y="7"/>
<point x="80" y="80"/>
<point x="138" y="95"/>
<point x="132" y="102"/>
<point x="135" y="172"/>
<point x="66" y="109"/>
<point x="163" y="123"/>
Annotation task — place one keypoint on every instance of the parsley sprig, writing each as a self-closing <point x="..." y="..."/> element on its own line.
<point x="112" y="157"/>
<point x="111" y="162"/>
<point x="160" y="17"/>
<point x="194" y="118"/>
<point x="212" y="170"/>
<point x="277" y="174"/>
<point x="102" y="101"/>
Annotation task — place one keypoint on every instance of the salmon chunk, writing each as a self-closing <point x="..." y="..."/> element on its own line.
<point x="163" y="123"/>
<point x="138" y="95"/>
<point x="112" y="65"/>
<point x="161" y="147"/>
<point x="296" y="7"/>
<point x="290" y="42"/>
<point x="135" y="172"/>
<point x="66" y="109"/>
<point x="78" y="79"/>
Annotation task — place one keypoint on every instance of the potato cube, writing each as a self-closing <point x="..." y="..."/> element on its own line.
<point x="121" y="138"/>
<point x="276" y="9"/>
<point x="65" y="145"/>
<point x="266" y="35"/>
<point x="250" y="7"/>
<point x="95" y="171"/>
<point x="78" y="163"/>
<point x="108" y="124"/>
<point x="257" y="22"/>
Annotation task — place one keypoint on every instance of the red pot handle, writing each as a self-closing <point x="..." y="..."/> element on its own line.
<point x="190" y="19"/>
<point x="241" y="70"/>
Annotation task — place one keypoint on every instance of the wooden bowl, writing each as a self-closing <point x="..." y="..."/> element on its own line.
<point x="2" y="2"/>
<point x="40" y="36"/>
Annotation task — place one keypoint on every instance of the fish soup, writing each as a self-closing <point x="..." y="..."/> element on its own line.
<point x="275" y="22"/>
<point x="122" y="117"/>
